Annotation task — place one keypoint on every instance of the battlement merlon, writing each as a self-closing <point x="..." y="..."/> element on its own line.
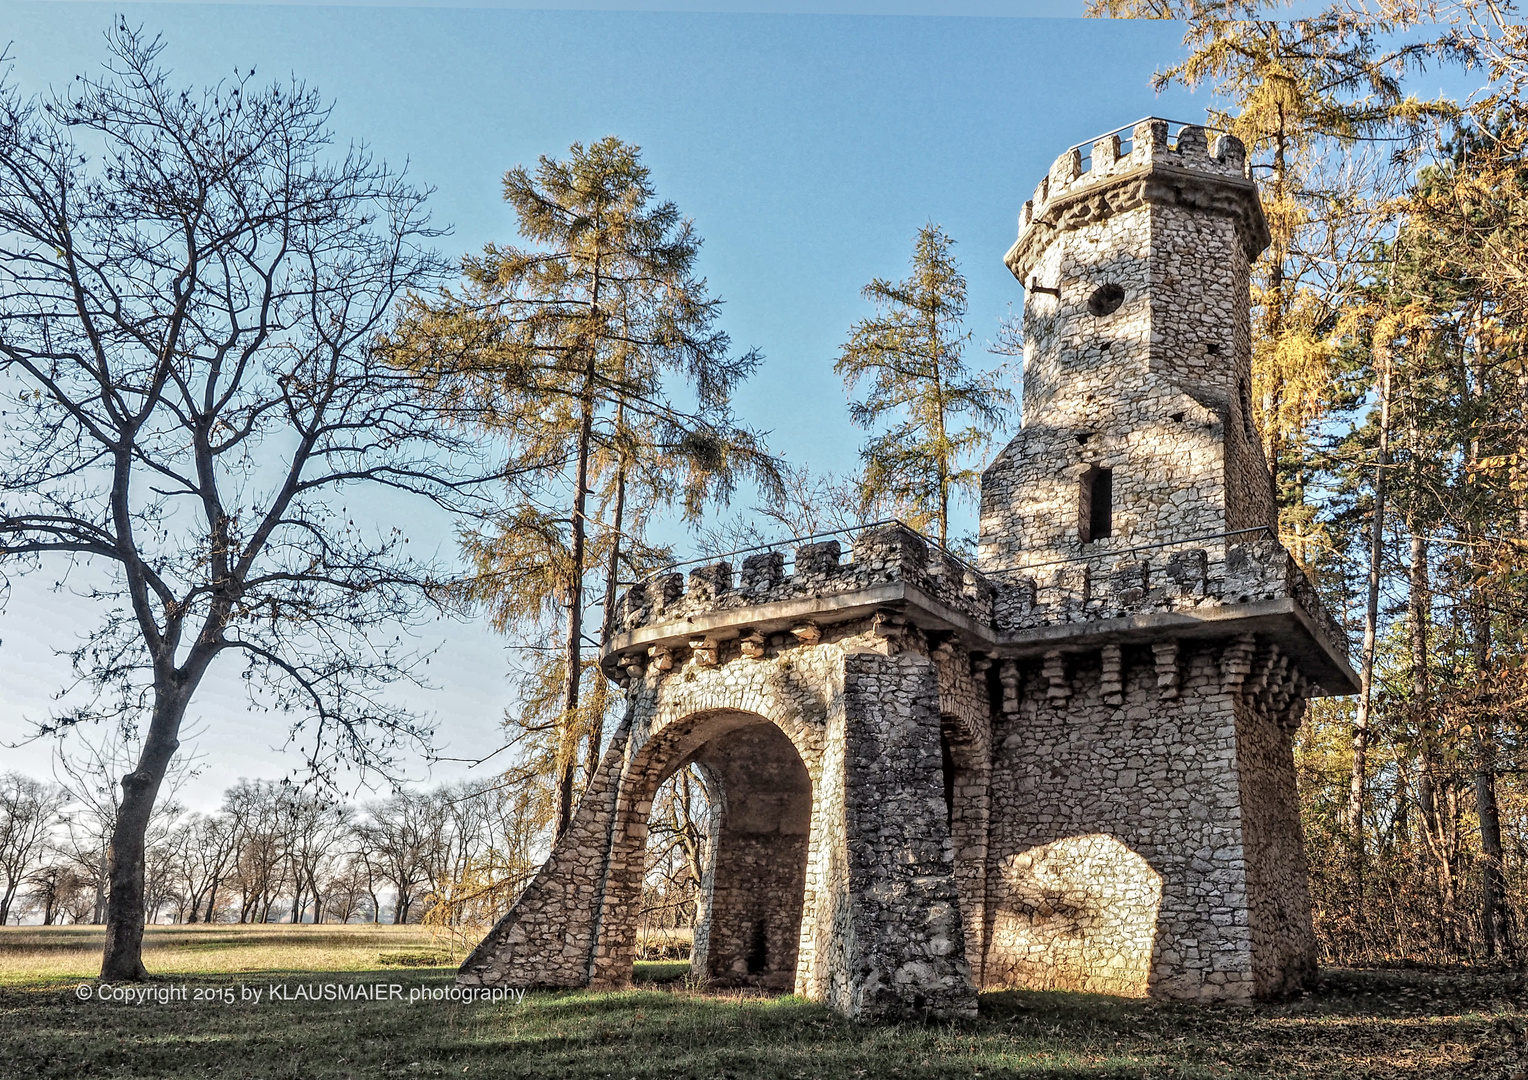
<point x="1189" y="172"/>
<point x="1242" y="584"/>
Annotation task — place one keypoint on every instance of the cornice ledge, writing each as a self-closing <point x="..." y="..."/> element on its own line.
<point x="1158" y="183"/>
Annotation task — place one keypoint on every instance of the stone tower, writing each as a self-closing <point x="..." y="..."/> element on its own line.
<point x="1068" y="766"/>
<point x="1137" y="354"/>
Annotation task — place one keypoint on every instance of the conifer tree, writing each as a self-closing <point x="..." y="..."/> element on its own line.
<point x="912" y="355"/>
<point x="575" y="350"/>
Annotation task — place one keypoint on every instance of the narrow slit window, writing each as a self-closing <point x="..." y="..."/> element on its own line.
<point x="1096" y="519"/>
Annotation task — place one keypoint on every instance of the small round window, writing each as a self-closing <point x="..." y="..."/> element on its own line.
<point x="1106" y="300"/>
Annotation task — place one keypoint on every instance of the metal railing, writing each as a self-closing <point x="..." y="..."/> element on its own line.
<point x="798" y="541"/>
<point x="1127" y="142"/>
<point x="1107" y="553"/>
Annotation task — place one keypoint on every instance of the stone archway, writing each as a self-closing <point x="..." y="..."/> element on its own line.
<point x="749" y="929"/>
<point x="880" y="931"/>
<point x="753" y="895"/>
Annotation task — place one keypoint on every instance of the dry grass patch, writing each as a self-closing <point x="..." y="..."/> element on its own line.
<point x="29" y="953"/>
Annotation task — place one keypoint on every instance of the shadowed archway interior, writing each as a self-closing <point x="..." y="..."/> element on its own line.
<point x="749" y="929"/>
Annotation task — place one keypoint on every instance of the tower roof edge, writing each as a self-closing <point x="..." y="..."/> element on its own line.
<point x="1118" y="175"/>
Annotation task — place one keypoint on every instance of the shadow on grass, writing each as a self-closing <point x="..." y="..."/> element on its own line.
<point x="1356" y="1024"/>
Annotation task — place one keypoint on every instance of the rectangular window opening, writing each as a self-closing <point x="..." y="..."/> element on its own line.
<point x="1096" y="519"/>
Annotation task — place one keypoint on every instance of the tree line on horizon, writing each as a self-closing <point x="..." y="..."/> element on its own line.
<point x="272" y="852"/>
<point x="224" y="332"/>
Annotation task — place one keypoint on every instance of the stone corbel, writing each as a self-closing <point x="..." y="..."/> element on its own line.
<point x="1111" y="682"/>
<point x="1008" y="675"/>
<point x="1236" y="662"/>
<point x="807" y="633"/>
<point x="633" y="666"/>
<point x="1280" y="673"/>
<point x="893" y="631"/>
<point x="1288" y="706"/>
<point x="752" y="645"/>
<point x="1293" y="712"/>
<point x="706" y="651"/>
<point x="1166" y="653"/>
<point x="662" y="657"/>
<point x="1058" y="688"/>
<point x="1265" y="670"/>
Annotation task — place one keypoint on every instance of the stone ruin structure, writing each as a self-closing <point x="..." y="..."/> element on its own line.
<point x="1068" y="766"/>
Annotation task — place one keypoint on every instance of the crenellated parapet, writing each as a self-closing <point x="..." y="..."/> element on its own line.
<point x="894" y="577"/>
<point x="1183" y="580"/>
<point x="884" y="556"/>
<point x="1119" y="174"/>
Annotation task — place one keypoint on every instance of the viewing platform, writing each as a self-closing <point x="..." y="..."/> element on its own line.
<point x="1232" y="583"/>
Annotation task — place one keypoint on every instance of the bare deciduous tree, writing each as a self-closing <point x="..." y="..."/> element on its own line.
<point x="28" y="812"/>
<point x="191" y="286"/>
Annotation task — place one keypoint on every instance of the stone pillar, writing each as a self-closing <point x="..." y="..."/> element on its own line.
<point x="894" y="944"/>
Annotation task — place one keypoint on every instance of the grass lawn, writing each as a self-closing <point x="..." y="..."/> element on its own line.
<point x="1355" y="1024"/>
<point x="30" y="952"/>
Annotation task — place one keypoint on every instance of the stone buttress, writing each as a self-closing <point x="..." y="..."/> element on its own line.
<point x="1068" y="766"/>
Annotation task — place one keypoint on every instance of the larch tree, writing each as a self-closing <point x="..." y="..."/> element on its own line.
<point x="593" y="353"/>
<point x="930" y="412"/>
<point x="191" y="286"/>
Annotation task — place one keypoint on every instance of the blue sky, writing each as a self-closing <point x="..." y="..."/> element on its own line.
<point x="808" y="142"/>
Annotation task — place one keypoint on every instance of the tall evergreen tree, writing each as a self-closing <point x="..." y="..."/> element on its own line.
<point x="912" y="355"/>
<point x="577" y="350"/>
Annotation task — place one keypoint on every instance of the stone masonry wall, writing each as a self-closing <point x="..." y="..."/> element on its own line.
<point x="903" y="951"/>
<point x="1138" y="788"/>
<point x="1098" y="401"/>
<point x="1269" y="708"/>
<point x="547" y="937"/>
<point x="1234" y="570"/>
<point x="1082" y="760"/>
<point x="1201" y="342"/>
<point x="965" y="708"/>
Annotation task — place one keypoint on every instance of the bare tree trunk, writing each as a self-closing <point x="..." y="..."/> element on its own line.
<point x="566" y="754"/>
<point x="318" y="901"/>
<point x="1435" y="832"/>
<point x="212" y="897"/>
<point x="1358" y="777"/>
<point x="125" y="910"/>
<point x="98" y="915"/>
<point x="607" y="630"/>
<point x="1495" y="914"/>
